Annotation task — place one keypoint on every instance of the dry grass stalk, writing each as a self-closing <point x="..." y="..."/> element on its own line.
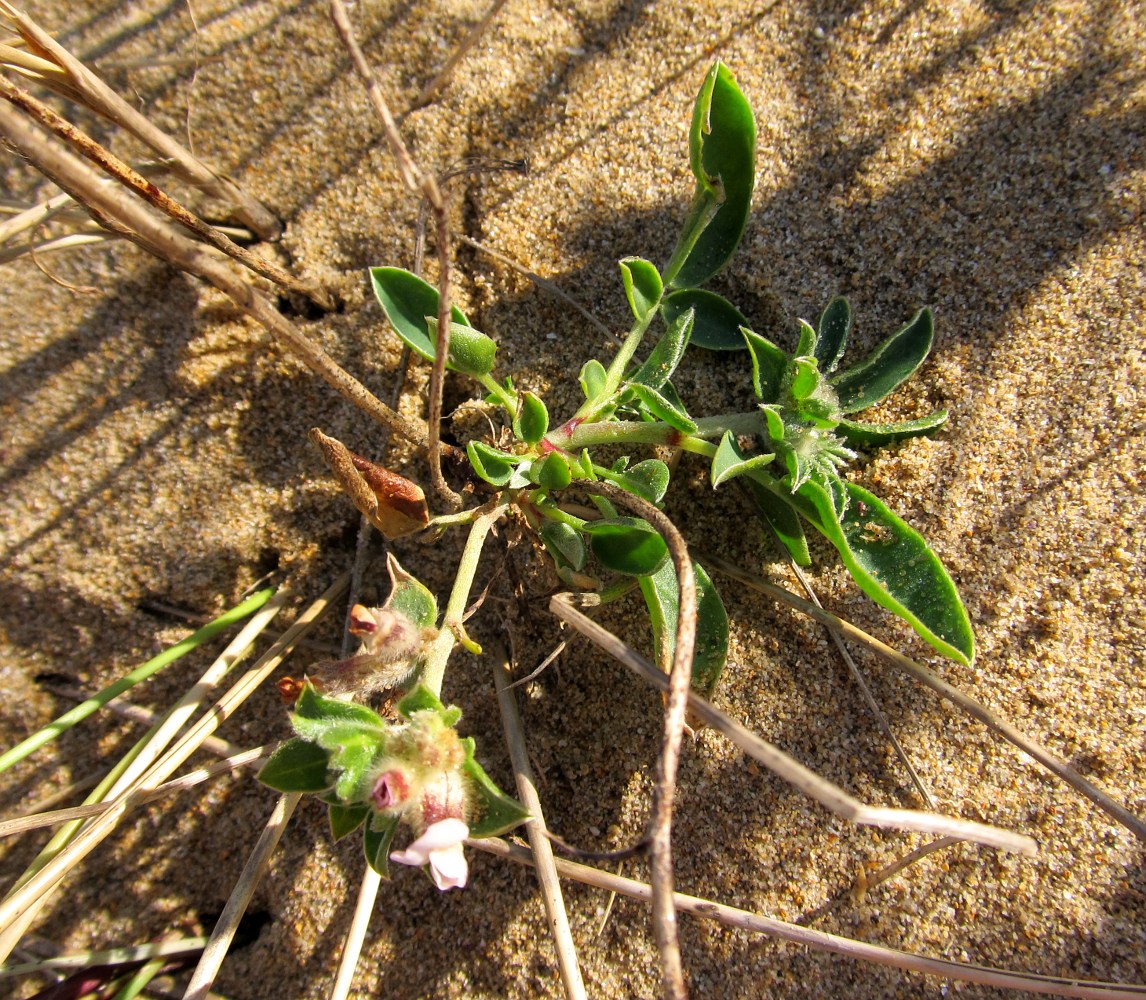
<point x="49" y="63"/>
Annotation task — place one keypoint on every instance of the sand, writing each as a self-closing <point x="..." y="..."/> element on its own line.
<point x="984" y="158"/>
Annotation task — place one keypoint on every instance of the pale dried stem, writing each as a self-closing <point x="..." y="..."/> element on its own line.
<point x="925" y="676"/>
<point x="39" y="820"/>
<point x="220" y="941"/>
<point x="539" y="843"/>
<point x="430" y="91"/>
<point x="664" y="791"/>
<point x="792" y="771"/>
<point x="356" y="936"/>
<point x="116" y="210"/>
<point x="865" y="691"/>
<point x="68" y="76"/>
<point x="145" y="189"/>
<point x="417" y="181"/>
<point x="20" y="907"/>
<point x="819" y="940"/>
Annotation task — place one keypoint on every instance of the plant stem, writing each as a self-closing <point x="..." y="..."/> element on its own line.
<point x="440" y="649"/>
<point x="586" y="435"/>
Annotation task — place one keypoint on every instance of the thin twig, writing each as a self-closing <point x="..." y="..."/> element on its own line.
<point x="51" y="64"/>
<point x="417" y="181"/>
<point x="131" y="179"/>
<point x="664" y="791"/>
<point x="861" y="682"/>
<point x="41" y="819"/>
<point x="544" y="283"/>
<point x="430" y="91"/>
<point x="819" y="940"/>
<point x="790" y="770"/>
<point x="220" y="941"/>
<point x="927" y="677"/>
<point x="539" y="843"/>
<point x="114" y="209"/>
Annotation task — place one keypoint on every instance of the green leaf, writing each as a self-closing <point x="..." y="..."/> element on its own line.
<point x="471" y="352"/>
<point x="866" y="383"/>
<point x="781" y="518"/>
<point x="863" y="435"/>
<point x="642" y="286"/>
<point x="832" y="334"/>
<point x="593" y="378"/>
<point x="344" y="820"/>
<point x="728" y="462"/>
<point x="666" y="355"/>
<point x="376" y="841"/>
<point x="495" y="467"/>
<point x="722" y="154"/>
<point x="769" y="363"/>
<point x="421" y="699"/>
<point x="407" y="300"/>
<point x="315" y="714"/>
<point x="409" y="596"/>
<point x="626" y="545"/>
<point x="805" y="377"/>
<point x="661" y="407"/>
<point x="297" y="766"/>
<point x="893" y="565"/>
<point x="662" y="595"/>
<point x="564" y="543"/>
<point x="532" y="420"/>
<point x="716" y="323"/>
<point x="494" y="811"/>
<point x="648" y="479"/>
<point x="552" y="472"/>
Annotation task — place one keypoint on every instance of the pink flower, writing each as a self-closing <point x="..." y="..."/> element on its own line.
<point x="440" y="847"/>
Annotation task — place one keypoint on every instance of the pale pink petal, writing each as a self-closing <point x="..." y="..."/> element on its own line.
<point x="448" y="867"/>
<point x="440" y="847"/>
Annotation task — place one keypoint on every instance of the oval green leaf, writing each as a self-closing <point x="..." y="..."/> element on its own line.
<point x="728" y="462"/>
<point x="648" y="479"/>
<point x="716" y="321"/>
<point x="643" y="286"/>
<point x="880" y="373"/>
<point x="494" y="812"/>
<point x="666" y="355"/>
<point x="722" y="154"/>
<point x="495" y="467"/>
<point x="894" y="566"/>
<point x="661" y="407"/>
<point x="564" y="543"/>
<point x="409" y="596"/>
<point x="376" y="840"/>
<point x="593" y="378"/>
<point x="344" y="820"/>
<point x="769" y="363"/>
<point x="779" y="515"/>
<point x="662" y="595"/>
<point x="861" y="435"/>
<point x="832" y="334"/>
<point x="297" y="766"/>
<point x="532" y="419"/>
<point x="407" y="300"/>
<point x="471" y="351"/>
<point x="627" y="545"/>
<point x="552" y="472"/>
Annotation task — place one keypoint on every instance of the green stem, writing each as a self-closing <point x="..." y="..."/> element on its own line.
<point x="616" y="371"/>
<point x="435" y="669"/>
<point x="587" y="435"/>
<point x="499" y="392"/>
<point x="140" y="673"/>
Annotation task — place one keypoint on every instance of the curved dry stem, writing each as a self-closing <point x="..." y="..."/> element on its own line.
<point x="417" y="181"/>
<point x="968" y="704"/>
<point x="660" y="833"/>
<point x="811" y="784"/>
<point x="538" y="841"/>
<point x="220" y="941"/>
<point x="732" y="917"/>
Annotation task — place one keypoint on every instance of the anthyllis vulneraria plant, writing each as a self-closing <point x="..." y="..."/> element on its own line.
<point x="788" y="450"/>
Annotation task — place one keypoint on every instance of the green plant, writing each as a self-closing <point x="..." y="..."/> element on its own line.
<point x="788" y="450"/>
